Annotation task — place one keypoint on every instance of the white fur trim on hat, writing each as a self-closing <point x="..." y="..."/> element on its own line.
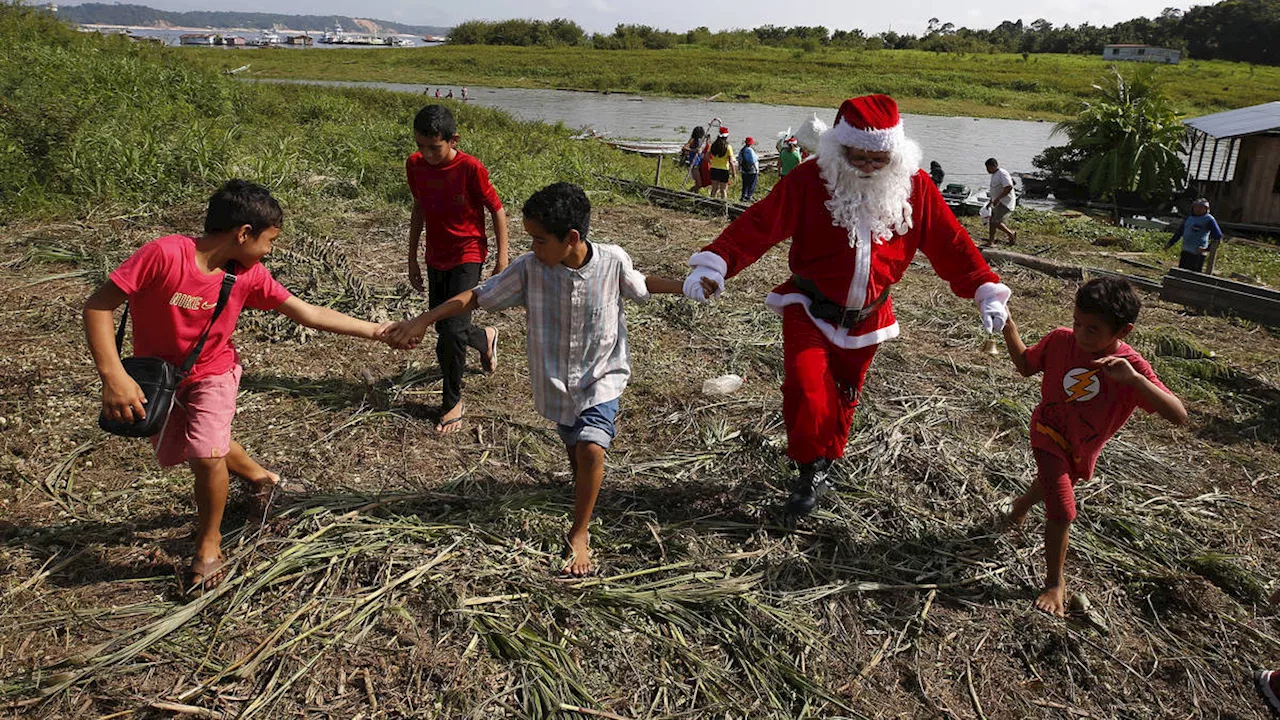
<point x="887" y="139"/>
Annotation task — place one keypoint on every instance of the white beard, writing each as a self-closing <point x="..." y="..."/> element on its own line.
<point x="879" y="203"/>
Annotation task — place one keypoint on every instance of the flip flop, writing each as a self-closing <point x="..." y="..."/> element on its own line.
<point x="489" y="363"/>
<point x="442" y="427"/>
<point x="205" y="575"/>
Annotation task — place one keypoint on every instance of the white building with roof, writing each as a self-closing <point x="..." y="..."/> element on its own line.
<point x="1141" y="53"/>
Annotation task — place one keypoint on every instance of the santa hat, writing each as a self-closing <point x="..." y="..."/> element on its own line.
<point x="749" y="141"/>
<point x="724" y="131"/>
<point x="870" y="122"/>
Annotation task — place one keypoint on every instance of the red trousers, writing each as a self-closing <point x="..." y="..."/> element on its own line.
<point x="820" y="390"/>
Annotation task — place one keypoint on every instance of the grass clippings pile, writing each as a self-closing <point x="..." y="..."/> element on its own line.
<point x="416" y="575"/>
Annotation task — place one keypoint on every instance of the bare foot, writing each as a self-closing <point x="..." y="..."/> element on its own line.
<point x="1053" y="601"/>
<point x="489" y="358"/>
<point x="578" y="562"/>
<point x="450" y="421"/>
<point x="262" y="491"/>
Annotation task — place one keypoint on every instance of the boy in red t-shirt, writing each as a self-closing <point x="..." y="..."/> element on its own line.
<point x="172" y="285"/>
<point x="1092" y="383"/>
<point x="451" y="190"/>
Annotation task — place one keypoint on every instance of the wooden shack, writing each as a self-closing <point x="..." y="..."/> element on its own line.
<point x="1234" y="161"/>
<point x="303" y="40"/>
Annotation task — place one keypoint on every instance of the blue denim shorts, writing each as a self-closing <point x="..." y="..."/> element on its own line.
<point x="595" y="425"/>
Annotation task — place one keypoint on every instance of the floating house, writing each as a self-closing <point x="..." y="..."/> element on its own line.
<point x="1141" y="53"/>
<point x="206" y="39"/>
<point x="300" y="40"/>
<point x="1234" y="161"/>
<point x="233" y="41"/>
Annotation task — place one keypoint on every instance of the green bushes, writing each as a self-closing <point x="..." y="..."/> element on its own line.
<point x="90" y="122"/>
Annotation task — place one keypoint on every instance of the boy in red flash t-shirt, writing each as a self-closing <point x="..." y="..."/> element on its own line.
<point x="1092" y="383"/>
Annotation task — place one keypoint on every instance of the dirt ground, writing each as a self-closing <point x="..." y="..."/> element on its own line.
<point x="415" y="575"/>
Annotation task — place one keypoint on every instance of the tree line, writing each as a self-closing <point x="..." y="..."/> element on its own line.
<point x="1238" y="30"/>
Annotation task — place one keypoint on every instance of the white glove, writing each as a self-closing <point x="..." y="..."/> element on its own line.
<point x="992" y="299"/>
<point x="693" y="283"/>
<point x="709" y="265"/>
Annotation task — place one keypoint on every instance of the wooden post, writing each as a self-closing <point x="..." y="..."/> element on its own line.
<point x="1213" y="255"/>
<point x="657" y="174"/>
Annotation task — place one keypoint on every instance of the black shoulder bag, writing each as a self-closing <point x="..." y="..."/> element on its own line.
<point x="159" y="378"/>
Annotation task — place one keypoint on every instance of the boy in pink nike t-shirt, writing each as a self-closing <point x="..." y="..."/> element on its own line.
<point x="172" y="286"/>
<point x="1092" y="383"/>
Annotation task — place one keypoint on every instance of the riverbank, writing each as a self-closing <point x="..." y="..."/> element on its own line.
<point x="1049" y="87"/>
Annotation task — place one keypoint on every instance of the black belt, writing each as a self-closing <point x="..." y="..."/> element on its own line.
<point x="824" y="309"/>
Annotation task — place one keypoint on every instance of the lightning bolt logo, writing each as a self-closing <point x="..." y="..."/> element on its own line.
<point x="1081" y="384"/>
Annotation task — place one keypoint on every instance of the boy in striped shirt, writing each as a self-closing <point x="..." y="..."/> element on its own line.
<point x="579" y="365"/>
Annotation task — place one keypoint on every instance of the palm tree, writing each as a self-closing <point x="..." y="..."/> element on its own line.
<point x="1130" y="139"/>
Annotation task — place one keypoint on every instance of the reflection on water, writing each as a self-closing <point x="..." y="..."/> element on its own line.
<point x="961" y="144"/>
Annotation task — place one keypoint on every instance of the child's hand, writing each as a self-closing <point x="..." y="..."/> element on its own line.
<point x="407" y="334"/>
<point x="380" y="334"/>
<point x="415" y="273"/>
<point x="1118" y="369"/>
<point x="122" y="399"/>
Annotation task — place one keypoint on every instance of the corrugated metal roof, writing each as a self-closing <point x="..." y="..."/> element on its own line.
<point x="1235" y="123"/>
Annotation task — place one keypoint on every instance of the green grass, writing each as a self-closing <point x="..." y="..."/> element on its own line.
<point x="92" y="125"/>
<point x="994" y="85"/>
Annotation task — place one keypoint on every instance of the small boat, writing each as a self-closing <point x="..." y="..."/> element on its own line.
<point x="268" y="37"/>
<point x="961" y="199"/>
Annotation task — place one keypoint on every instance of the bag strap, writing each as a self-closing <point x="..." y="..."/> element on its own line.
<point x="124" y="320"/>
<point x="228" y="280"/>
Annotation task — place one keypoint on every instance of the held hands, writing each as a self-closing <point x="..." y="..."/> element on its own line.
<point x="405" y="335"/>
<point x="703" y="283"/>
<point x="122" y="399"/>
<point x="992" y="299"/>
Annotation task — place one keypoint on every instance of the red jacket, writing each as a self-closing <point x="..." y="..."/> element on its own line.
<point x="853" y="276"/>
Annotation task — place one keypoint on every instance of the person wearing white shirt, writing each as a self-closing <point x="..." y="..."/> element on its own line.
<point x="1001" y="202"/>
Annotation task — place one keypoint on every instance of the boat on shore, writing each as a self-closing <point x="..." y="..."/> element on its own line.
<point x="961" y="199"/>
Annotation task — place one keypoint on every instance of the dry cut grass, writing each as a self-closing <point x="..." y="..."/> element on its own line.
<point x="416" y="576"/>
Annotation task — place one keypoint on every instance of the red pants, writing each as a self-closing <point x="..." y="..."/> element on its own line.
<point x="1055" y="478"/>
<point x="821" y="388"/>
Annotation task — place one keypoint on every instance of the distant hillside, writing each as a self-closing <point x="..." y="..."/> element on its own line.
<point x="140" y="15"/>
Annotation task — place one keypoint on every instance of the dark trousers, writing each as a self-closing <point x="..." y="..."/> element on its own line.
<point x="454" y="335"/>
<point x="1191" y="261"/>
<point x="749" y="185"/>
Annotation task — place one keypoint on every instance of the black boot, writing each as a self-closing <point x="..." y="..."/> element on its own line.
<point x="812" y="484"/>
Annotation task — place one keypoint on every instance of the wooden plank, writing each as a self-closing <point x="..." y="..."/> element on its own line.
<point x="1221" y="282"/>
<point x="1136" y="280"/>
<point x="1221" y="300"/>
<point x="1048" y="267"/>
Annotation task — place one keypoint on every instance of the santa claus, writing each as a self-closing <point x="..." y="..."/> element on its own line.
<point x="856" y="217"/>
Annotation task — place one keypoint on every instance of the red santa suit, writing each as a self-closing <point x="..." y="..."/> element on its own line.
<point x="825" y="362"/>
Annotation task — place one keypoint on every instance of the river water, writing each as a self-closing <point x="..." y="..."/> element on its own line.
<point x="960" y="144"/>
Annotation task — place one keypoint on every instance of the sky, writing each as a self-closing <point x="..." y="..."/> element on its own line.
<point x="904" y="16"/>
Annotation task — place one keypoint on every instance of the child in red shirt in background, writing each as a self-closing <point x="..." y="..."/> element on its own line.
<point x="172" y="285"/>
<point x="451" y="191"/>
<point x="1092" y="383"/>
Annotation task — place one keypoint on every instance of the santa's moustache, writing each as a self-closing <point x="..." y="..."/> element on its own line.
<point x="879" y="201"/>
